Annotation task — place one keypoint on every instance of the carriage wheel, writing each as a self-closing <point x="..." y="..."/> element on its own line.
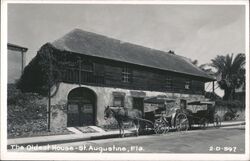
<point x="217" y="121"/>
<point x="182" y="123"/>
<point x="161" y="126"/>
<point x="203" y="123"/>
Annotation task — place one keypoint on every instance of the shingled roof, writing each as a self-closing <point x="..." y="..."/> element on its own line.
<point x="87" y="43"/>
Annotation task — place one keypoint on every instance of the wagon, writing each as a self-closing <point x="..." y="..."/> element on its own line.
<point x="204" y="115"/>
<point x="163" y="116"/>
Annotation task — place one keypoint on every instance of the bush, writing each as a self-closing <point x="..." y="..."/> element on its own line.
<point x="26" y="112"/>
<point x="229" y="116"/>
<point x="232" y="110"/>
<point x="112" y="124"/>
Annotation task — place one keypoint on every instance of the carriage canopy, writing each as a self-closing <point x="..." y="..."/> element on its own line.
<point x="201" y="103"/>
<point x="158" y="100"/>
<point x="156" y="103"/>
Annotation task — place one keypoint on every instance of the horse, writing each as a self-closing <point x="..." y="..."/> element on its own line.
<point x="123" y="115"/>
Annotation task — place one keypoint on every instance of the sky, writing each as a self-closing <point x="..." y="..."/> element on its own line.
<point x="195" y="31"/>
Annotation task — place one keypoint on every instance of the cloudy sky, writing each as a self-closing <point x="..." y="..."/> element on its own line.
<point x="195" y="31"/>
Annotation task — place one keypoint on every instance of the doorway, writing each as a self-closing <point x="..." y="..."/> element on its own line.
<point x="81" y="107"/>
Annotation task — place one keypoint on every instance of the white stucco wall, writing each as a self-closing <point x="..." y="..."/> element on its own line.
<point x="105" y="98"/>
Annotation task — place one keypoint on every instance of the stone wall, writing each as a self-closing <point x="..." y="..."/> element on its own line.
<point x="104" y="98"/>
<point x="58" y="116"/>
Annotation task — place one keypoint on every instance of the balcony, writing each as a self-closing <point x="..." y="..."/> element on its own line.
<point x="71" y="75"/>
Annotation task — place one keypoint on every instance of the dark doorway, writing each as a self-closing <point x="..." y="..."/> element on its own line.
<point x="81" y="107"/>
<point x="138" y="103"/>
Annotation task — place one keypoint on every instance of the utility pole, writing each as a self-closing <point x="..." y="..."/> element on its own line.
<point x="49" y="93"/>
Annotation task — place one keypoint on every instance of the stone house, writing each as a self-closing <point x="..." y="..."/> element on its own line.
<point x="103" y="71"/>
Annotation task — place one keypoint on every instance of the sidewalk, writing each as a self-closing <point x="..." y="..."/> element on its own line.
<point x="56" y="139"/>
<point x="232" y="123"/>
<point x="228" y="123"/>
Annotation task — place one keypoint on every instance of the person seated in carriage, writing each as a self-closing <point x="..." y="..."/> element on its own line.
<point x="183" y="107"/>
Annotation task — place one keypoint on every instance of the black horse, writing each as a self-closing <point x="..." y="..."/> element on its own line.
<point x="123" y="115"/>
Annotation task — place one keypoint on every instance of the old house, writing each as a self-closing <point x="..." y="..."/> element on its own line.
<point x="89" y="71"/>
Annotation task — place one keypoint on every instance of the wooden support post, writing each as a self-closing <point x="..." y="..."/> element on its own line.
<point x="49" y="110"/>
<point x="213" y="87"/>
<point x="22" y="53"/>
<point x="80" y="73"/>
<point x="49" y="93"/>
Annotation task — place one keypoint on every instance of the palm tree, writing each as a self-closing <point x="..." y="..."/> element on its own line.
<point x="230" y="72"/>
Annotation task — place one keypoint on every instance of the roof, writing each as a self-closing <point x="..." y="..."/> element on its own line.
<point x="17" y="47"/>
<point x="87" y="43"/>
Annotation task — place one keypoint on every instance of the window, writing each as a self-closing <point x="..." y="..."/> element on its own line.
<point x="118" y="101"/>
<point x="188" y="85"/>
<point x="169" y="83"/>
<point x="126" y="74"/>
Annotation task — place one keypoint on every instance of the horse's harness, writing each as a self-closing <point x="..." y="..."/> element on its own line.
<point x="119" y="110"/>
<point x="125" y="110"/>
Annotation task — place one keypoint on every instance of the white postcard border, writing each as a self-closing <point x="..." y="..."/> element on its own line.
<point x="105" y="156"/>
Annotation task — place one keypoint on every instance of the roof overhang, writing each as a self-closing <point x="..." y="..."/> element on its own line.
<point x="17" y="47"/>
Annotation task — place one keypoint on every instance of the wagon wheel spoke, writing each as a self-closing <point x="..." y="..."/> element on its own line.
<point x="182" y="122"/>
<point x="161" y="126"/>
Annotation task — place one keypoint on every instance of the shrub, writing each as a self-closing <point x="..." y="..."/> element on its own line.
<point x="232" y="110"/>
<point x="26" y="112"/>
<point x="112" y="124"/>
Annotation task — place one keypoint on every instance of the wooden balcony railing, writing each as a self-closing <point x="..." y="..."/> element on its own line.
<point x="71" y="75"/>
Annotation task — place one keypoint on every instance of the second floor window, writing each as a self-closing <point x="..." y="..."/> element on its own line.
<point x="126" y="74"/>
<point x="187" y="85"/>
<point x="169" y="83"/>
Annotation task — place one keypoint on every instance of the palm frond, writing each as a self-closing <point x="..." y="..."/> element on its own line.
<point x="230" y="70"/>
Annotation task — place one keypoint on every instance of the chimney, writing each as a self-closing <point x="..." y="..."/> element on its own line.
<point x="171" y="52"/>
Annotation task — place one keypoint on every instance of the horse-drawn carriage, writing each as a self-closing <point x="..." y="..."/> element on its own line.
<point x="184" y="118"/>
<point x="204" y="115"/>
<point x="166" y="115"/>
<point x="161" y="115"/>
<point x="156" y="118"/>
